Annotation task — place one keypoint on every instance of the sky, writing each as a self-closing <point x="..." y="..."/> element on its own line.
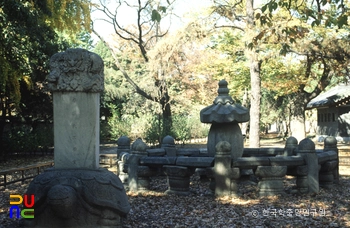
<point x="127" y="16"/>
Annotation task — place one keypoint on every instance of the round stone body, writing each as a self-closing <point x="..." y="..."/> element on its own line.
<point x="230" y="132"/>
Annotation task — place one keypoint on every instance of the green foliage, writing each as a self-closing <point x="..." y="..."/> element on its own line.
<point x="27" y="41"/>
<point x="184" y="127"/>
<point x="24" y="42"/>
<point x="154" y="133"/>
<point x="113" y="128"/>
<point x="320" y="12"/>
<point x="270" y="108"/>
<point x="68" y="16"/>
<point x="232" y="65"/>
<point x="181" y="128"/>
<point x="156" y="16"/>
<point x="24" y="139"/>
<point x="187" y="126"/>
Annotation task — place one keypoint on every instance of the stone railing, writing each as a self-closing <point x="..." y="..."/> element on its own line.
<point x="312" y="168"/>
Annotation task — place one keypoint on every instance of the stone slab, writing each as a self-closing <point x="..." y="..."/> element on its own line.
<point x="262" y="151"/>
<point x="156" y="152"/>
<point x="287" y="161"/>
<point x="76" y="130"/>
<point x="229" y="132"/>
<point x="199" y="162"/>
<point x="251" y="162"/>
<point x="170" y="151"/>
<point x="187" y="152"/>
<point x="157" y="161"/>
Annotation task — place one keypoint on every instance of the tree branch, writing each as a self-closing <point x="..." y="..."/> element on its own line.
<point x="229" y="26"/>
<point x="323" y="82"/>
<point x="140" y="37"/>
<point x="125" y="74"/>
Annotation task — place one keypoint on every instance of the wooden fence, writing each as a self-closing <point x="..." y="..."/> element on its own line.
<point x="15" y="175"/>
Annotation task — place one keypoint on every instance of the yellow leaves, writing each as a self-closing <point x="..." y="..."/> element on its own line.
<point x="69" y="15"/>
<point x="28" y="81"/>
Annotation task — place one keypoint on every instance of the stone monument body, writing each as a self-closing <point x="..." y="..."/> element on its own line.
<point x="76" y="192"/>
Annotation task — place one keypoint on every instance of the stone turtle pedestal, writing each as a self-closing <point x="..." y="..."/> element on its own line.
<point x="76" y="192"/>
<point x="78" y="198"/>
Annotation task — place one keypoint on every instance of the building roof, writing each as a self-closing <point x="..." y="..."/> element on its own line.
<point x="336" y="96"/>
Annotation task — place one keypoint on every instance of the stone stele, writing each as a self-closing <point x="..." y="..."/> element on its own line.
<point x="76" y="80"/>
<point x="76" y="192"/>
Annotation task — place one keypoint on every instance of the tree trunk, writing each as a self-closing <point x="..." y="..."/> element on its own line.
<point x="254" y="138"/>
<point x="166" y="111"/>
<point x="297" y="126"/>
<point x="252" y="56"/>
<point x="2" y="126"/>
<point x="297" y="120"/>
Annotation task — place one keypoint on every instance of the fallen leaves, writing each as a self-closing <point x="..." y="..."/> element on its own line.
<point x="328" y="208"/>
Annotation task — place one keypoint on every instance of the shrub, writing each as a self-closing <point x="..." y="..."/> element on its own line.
<point x="23" y="138"/>
<point x="114" y="127"/>
<point x="181" y="128"/>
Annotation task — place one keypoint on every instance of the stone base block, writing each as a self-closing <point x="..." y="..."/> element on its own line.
<point x="302" y="184"/>
<point x="271" y="182"/>
<point x="143" y="177"/>
<point x="270" y="187"/>
<point x="178" y="179"/>
<point x="326" y="179"/>
<point x="202" y="174"/>
<point x="326" y="175"/>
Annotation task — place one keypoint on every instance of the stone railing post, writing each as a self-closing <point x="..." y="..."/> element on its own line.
<point x="290" y="147"/>
<point x="330" y="144"/>
<point x="138" y="175"/>
<point x="168" y="143"/>
<point x="224" y="174"/>
<point x="302" y="180"/>
<point x="306" y="149"/>
<point x="326" y="175"/>
<point x="123" y="144"/>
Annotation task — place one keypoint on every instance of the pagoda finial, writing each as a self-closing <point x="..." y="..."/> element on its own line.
<point x="223" y="96"/>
